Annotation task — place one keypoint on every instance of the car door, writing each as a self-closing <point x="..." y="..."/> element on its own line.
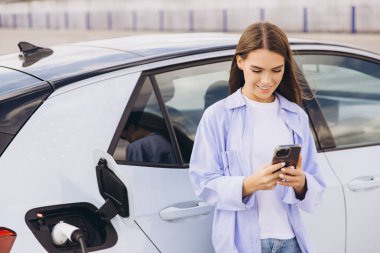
<point x="348" y="92"/>
<point x="327" y="224"/>
<point x="152" y="147"/>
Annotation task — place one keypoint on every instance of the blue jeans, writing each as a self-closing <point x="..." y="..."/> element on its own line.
<point x="280" y="246"/>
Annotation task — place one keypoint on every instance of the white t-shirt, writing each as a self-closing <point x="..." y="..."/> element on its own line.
<point x="269" y="131"/>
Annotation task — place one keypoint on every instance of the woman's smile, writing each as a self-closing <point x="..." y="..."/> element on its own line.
<point x="264" y="87"/>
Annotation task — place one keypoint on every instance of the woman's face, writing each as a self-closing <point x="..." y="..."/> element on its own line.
<point x="263" y="71"/>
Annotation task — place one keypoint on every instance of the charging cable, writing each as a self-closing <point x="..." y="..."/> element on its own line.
<point x="62" y="232"/>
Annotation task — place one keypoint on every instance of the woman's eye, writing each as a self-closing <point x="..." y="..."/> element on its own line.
<point x="258" y="71"/>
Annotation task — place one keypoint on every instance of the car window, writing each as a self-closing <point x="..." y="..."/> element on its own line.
<point x="20" y="96"/>
<point x="187" y="93"/>
<point x="348" y="92"/>
<point x="145" y="137"/>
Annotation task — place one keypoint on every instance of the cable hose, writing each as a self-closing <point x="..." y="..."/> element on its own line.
<point x="82" y="244"/>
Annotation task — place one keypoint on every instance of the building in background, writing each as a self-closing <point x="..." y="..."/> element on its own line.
<point x="348" y="16"/>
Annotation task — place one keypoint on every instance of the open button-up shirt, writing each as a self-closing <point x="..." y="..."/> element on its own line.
<point x="220" y="161"/>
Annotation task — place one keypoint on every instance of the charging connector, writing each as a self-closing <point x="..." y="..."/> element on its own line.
<point x="62" y="232"/>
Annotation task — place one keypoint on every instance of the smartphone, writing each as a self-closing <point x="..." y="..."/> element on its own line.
<point x="287" y="153"/>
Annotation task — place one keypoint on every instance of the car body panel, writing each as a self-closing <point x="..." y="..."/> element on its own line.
<point x="335" y="48"/>
<point x="157" y="45"/>
<point x="131" y="236"/>
<point x="68" y="60"/>
<point x="152" y="190"/>
<point x="362" y="203"/>
<point x="81" y="59"/>
<point x="63" y="144"/>
<point x="328" y="222"/>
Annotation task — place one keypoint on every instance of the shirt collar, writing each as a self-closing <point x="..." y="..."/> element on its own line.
<point x="236" y="100"/>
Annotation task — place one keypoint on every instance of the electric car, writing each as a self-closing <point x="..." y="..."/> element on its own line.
<point x="71" y="115"/>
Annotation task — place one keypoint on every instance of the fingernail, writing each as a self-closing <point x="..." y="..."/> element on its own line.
<point x="281" y="175"/>
<point x="283" y="169"/>
<point x="292" y="167"/>
<point x="282" y="164"/>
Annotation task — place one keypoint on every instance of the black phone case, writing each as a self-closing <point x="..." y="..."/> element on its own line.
<point x="288" y="154"/>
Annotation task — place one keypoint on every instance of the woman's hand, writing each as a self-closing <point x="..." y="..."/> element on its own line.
<point x="265" y="178"/>
<point x="294" y="177"/>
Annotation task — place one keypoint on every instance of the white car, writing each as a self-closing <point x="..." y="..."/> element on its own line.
<point x="71" y="153"/>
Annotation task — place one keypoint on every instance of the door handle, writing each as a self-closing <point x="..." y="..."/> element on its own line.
<point x="185" y="210"/>
<point x="364" y="183"/>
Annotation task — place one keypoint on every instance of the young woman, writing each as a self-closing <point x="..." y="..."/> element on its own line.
<point x="257" y="203"/>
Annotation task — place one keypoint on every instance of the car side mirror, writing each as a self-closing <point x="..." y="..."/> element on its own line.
<point x="113" y="191"/>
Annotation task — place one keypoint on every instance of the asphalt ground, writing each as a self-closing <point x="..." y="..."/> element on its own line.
<point x="47" y="38"/>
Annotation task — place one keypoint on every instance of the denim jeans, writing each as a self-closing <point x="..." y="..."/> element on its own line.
<point x="280" y="246"/>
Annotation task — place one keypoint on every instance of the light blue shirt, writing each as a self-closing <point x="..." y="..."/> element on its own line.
<point x="220" y="161"/>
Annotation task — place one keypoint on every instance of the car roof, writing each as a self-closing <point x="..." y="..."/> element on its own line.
<point x="72" y="62"/>
<point x="78" y="58"/>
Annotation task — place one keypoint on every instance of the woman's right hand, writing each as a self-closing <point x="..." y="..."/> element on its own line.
<point x="265" y="178"/>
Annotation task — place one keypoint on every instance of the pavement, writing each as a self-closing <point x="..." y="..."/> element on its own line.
<point x="48" y="38"/>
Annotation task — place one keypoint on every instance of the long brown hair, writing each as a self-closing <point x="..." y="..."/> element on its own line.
<point x="268" y="36"/>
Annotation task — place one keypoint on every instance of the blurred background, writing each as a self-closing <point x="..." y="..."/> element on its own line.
<point x="50" y="22"/>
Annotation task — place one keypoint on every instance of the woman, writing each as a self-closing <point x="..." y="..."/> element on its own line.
<point x="257" y="205"/>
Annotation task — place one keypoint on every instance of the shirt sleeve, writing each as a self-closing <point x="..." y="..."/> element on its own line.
<point x="207" y="168"/>
<point x="314" y="181"/>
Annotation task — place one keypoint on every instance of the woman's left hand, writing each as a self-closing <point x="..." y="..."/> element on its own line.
<point x="294" y="177"/>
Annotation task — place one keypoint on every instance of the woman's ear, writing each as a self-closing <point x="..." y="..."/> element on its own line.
<point x="239" y="62"/>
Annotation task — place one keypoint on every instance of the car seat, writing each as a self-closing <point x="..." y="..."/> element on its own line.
<point x="215" y="92"/>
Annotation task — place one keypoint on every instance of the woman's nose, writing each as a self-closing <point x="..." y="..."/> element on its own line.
<point x="265" y="79"/>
